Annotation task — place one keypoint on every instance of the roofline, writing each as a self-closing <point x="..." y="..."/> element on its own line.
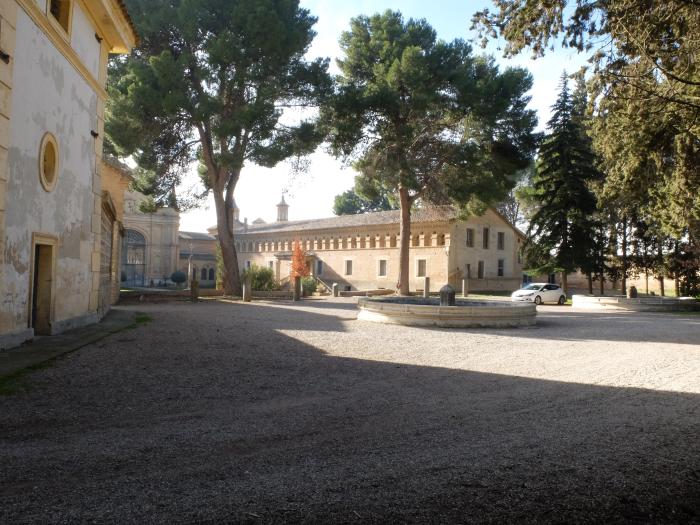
<point x="515" y="228"/>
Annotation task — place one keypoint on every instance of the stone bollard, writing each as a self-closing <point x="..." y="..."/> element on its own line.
<point x="297" y="289"/>
<point x="194" y="291"/>
<point x="447" y="296"/>
<point x="336" y="290"/>
<point x="247" y="291"/>
<point x="465" y="287"/>
<point x="632" y="292"/>
<point x="426" y="288"/>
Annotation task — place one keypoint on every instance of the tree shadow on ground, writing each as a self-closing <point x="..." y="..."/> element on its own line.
<point x="233" y="420"/>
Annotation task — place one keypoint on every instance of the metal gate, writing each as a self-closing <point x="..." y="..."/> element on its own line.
<point x="134" y="259"/>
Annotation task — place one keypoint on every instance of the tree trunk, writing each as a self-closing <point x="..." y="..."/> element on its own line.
<point x="232" y="279"/>
<point x="405" y="233"/>
<point x="565" y="283"/>
<point x="602" y="284"/>
<point x="624" y="256"/>
<point x="662" y="289"/>
<point x="646" y="281"/>
<point x="589" y="276"/>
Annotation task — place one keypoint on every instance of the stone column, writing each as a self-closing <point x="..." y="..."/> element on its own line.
<point x="465" y="287"/>
<point x="426" y="288"/>
<point x="247" y="291"/>
<point x="297" y="288"/>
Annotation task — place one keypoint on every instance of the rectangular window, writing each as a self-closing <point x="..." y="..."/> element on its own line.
<point x="486" y="238"/>
<point x="60" y="10"/>
<point x="421" y="268"/>
<point x="480" y="270"/>
<point x="248" y="264"/>
<point x="348" y="267"/>
<point x="520" y="256"/>
<point x="470" y="237"/>
<point x="501" y="241"/>
<point x="381" y="270"/>
<point x="271" y="265"/>
<point x="319" y="267"/>
<point x="469" y="271"/>
<point x="501" y="267"/>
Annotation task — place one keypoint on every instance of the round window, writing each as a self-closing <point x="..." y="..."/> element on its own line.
<point x="48" y="162"/>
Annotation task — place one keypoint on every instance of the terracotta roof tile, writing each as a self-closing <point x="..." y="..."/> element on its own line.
<point x="431" y="214"/>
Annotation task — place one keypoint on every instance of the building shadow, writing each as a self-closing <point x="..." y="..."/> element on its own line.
<point x="235" y="420"/>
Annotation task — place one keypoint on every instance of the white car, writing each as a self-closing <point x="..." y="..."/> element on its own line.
<point x="539" y="293"/>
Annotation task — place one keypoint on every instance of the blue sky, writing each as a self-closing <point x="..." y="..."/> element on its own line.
<point x="311" y="194"/>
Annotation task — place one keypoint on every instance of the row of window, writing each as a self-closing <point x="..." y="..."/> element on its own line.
<point x="341" y="243"/>
<point x="204" y="274"/>
<point x="382" y="266"/>
<point x="500" y="242"/>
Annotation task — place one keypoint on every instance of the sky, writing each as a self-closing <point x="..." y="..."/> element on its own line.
<point x="310" y="194"/>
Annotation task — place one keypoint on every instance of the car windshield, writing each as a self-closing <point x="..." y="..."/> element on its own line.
<point x="533" y="287"/>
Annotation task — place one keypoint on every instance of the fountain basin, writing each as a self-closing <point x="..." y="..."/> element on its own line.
<point x="637" y="304"/>
<point x="419" y="311"/>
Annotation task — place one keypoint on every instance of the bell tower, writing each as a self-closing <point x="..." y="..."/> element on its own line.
<point x="282" y="211"/>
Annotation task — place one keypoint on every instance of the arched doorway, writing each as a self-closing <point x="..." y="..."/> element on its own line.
<point x="134" y="259"/>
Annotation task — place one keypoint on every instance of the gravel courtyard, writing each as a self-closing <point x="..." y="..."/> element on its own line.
<point x="274" y="413"/>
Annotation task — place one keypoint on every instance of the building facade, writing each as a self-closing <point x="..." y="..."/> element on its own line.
<point x="150" y="246"/>
<point x="54" y="216"/>
<point x="361" y="252"/>
<point x="197" y="257"/>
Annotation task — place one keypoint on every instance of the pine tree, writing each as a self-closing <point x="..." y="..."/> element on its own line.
<point x="561" y="233"/>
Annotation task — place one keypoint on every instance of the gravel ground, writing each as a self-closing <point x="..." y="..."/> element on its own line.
<point x="272" y="413"/>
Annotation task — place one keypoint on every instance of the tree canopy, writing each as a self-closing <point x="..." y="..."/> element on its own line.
<point x="561" y="231"/>
<point x="646" y="87"/>
<point x="209" y="83"/>
<point x="365" y="197"/>
<point x="427" y="119"/>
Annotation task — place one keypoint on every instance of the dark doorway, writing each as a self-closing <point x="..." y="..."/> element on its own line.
<point x="41" y="291"/>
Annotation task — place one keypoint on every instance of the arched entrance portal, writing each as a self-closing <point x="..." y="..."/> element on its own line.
<point x="134" y="259"/>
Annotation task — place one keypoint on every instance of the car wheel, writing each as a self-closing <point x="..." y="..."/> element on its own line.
<point x="538" y="300"/>
<point x="562" y="299"/>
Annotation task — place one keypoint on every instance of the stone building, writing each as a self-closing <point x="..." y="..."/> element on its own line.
<point x="150" y="247"/>
<point x="197" y="257"/>
<point x="361" y="252"/>
<point x="116" y="179"/>
<point x="53" y="69"/>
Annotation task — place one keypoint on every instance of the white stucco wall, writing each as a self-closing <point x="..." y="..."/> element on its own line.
<point x="49" y="95"/>
<point x="83" y="40"/>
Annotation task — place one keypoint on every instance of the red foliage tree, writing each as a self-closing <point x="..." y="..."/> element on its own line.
<point x="299" y="267"/>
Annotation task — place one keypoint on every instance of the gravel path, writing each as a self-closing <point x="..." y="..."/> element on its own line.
<point x="272" y="413"/>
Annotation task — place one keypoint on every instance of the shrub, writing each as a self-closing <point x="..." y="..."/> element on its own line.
<point x="178" y="277"/>
<point x="261" y="279"/>
<point x="308" y="285"/>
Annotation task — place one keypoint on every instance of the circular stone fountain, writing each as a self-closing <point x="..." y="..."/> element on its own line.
<point x="419" y="311"/>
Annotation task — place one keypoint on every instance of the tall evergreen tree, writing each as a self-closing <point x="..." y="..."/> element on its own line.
<point x="426" y="119"/>
<point x="561" y="231"/>
<point x="209" y="82"/>
<point x="646" y="84"/>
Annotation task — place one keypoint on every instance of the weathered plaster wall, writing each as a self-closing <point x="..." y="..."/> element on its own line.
<point x="50" y="96"/>
<point x="83" y="40"/>
<point x="8" y="23"/>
